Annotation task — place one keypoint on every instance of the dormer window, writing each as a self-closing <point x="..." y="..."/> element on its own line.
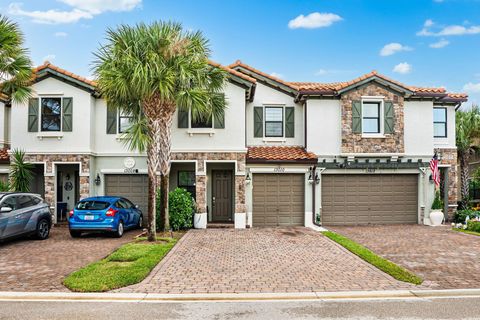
<point x="371" y="117"/>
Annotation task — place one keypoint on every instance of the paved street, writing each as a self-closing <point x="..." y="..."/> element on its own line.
<point x="262" y="260"/>
<point x="459" y="308"/>
<point x="32" y="265"/>
<point x="444" y="258"/>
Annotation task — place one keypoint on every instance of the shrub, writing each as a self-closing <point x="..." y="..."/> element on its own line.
<point x="20" y="172"/>
<point x="4" y="186"/>
<point x="437" y="202"/>
<point x="473" y="226"/>
<point x="461" y="215"/>
<point x="181" y="209"/>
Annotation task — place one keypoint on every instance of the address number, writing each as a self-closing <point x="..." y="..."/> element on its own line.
<point x="279" y="170"/>
<point x="127" y="170"/>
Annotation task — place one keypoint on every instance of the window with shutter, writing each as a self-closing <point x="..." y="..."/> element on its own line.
<point x="219" y="120"/>
<point x="356" y="117"/>
<point x="389" y="117"/>
<point x="33" y="115"/>
<point x="289" y="122"/>
<point x="111" y="120"/>
<point x="182" y="119"/>
<point x="67" y="114"/>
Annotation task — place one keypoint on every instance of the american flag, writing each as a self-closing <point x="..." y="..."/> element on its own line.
<point x="434" y="168"/>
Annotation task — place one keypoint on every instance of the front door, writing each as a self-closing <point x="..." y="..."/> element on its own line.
<point x="221" y="195"/>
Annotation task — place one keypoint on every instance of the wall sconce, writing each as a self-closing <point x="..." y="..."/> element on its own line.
<point x="313" y="176"/>
<point x="98" y="180"/>
<point x="248" y="179"/>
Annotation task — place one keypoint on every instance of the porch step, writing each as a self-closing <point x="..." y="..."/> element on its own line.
<point x="220" y="225"/>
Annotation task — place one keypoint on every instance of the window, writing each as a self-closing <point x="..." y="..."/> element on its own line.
<point x="186" y="180"/>
<point x="10" y="202"/>
<point x="440" y="122"/>
<point x="371" y="117"/>
<point x="124" y="121"/>
<point x="25" y="201"/>
<point x="92" y="205"/>
<point x="201" y="123"/>
<point x="273" y="121"/>
<point x="51" y="112"/>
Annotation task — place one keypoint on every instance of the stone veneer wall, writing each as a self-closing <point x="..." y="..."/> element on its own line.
<point x="354" y="142"/>
<point x="449" y="156"/>
<point x="49" y="159"/>
<point x="201" y="175"/>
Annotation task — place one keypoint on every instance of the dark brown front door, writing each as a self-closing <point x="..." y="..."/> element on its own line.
<point x="221" y="195"/>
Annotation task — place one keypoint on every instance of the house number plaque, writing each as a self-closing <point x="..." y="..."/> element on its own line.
<point x="279" y="170"/>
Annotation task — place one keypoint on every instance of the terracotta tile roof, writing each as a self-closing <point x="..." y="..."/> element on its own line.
<point x="457" y="95"/>
<point x="4" y="157"/>
<point x="232" y="71"/>
<point x="239" y="63"/>
<point x="279" y="153"/>
<point x="48" y="65"/>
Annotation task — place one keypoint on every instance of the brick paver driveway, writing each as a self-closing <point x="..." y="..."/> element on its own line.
<point x="261" y="260"/>
<point x="31" y="265"/>
<point x="444" y="258"/>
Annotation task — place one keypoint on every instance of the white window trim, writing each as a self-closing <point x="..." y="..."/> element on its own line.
<point x="41" y="133"/>
<point x="438" y="139"/>
<point x="380" y="99"/>
<point x="193" y="131"/>
<point x="273" y="139"/>
<point x="119" y="115"/>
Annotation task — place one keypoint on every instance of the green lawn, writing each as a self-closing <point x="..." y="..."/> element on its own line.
<point x="385" y="265"/>
<point x="466" y="231"/>
<point x="127" y="265"/>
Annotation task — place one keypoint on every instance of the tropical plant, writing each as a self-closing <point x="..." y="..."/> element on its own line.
<point x="467" y="130"/>
<point x="462" y="215"/>
<point x="149" y="71"/>
<point x="4" y="186"/>
<point x="181" y="208"/>
<point x="15" y="65"/>
<point x="21" y="174"/>
<point x="437" y="201"/>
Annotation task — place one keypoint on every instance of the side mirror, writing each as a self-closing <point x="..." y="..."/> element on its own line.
<point x="5" y="209"/>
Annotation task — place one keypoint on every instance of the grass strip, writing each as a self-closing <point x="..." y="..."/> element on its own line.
<point x="385" y="265"/>
<point x="129" y="264"/>
<point x="467" y="231"/>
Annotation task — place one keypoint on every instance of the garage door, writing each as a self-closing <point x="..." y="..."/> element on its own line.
<point x="278" y="200"/>
<point x="134" y="187"/>
<point x="369" y="199"/>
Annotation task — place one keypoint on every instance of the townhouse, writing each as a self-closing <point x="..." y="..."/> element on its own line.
<point x="283" y="153"/>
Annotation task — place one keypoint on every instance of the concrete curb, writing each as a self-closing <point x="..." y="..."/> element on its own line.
<point x="153" y="297"/>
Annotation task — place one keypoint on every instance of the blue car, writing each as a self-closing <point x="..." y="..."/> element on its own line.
<point x="109" y="214"/>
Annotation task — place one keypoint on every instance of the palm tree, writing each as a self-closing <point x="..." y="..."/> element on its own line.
<point x="148" y="71"/>
<point x="467" y="130"/>
<point x="15" y="65"/>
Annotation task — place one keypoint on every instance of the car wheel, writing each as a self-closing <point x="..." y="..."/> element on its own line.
<point x="120" y="230"/>
<point x="75" y="234"/>
<point x="140" y="222"/>
<point x="43" y="229"/>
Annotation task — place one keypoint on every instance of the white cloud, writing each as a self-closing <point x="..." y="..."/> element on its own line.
<point x="60" y="34"/>
<point x="451" y="30"/>
<point x="393" y="48"/>
<point x="50" y="16"/>
<point x="472" y="87"/>
<point x="440" y="44"/>
<point x="49" y="57"/>
<point x="81" y="9"/>
<point x="324" y="72"/>
<point x="402" y="68"/>
<point x="277" y="75"/>
<point x="99" y="6"/>
<point x="428" y="23"/>
<point x="314" y="20"/>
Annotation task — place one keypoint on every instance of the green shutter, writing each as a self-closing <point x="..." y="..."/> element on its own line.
<point x="33" y="115"/>
<point x="111" y="120"/>
<point x="258" y="122"/>
<point x="182" y="119"/>
<point x="219" y="121"/>
<point x="67" y="114"/>
<point x="389" y="117"/>
<point x="357" y="117"/>
<point x="289" y="122"/>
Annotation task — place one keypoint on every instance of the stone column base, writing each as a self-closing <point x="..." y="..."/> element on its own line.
<point x="240" y="220"/>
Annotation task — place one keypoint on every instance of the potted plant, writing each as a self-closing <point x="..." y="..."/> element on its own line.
<point x="200" y="220"/>
<point x="436" y="214"/>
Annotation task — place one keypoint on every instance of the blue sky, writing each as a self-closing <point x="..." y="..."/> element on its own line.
<point x="418" y="42"/>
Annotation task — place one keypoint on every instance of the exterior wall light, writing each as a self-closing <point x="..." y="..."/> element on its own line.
<point x="248" y="179"/>
<point x="98" y="180"/>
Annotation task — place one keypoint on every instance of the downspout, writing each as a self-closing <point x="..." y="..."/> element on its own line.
<point x="314" y="187"/>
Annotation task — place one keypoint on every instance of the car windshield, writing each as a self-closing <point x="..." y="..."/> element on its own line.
<point x="92" y="205"/>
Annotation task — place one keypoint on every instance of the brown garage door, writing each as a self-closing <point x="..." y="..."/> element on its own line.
<point x="278" y="200"/>
<point x="134" y="187"/>
<point x="369" y="199"/>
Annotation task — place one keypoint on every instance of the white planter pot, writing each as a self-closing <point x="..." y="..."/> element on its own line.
<point x="436" y="217"/>
<point x="200" y="221"/>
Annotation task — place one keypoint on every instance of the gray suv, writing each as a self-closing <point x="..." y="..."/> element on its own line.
<point x="24" y="214"/>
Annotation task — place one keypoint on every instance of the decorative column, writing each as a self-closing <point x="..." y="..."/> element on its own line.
<point x="201" y="193"/>
<point x="240" y="207"/>
<point x="84" y="187"/>
<point x="49" y="181"/>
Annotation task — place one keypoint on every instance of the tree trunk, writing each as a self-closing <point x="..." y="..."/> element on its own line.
<point x="164" y="203"/>
<point x="464" y="179"/>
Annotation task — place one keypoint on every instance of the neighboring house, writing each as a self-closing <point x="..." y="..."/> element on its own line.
<point x="283" y="153"/>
